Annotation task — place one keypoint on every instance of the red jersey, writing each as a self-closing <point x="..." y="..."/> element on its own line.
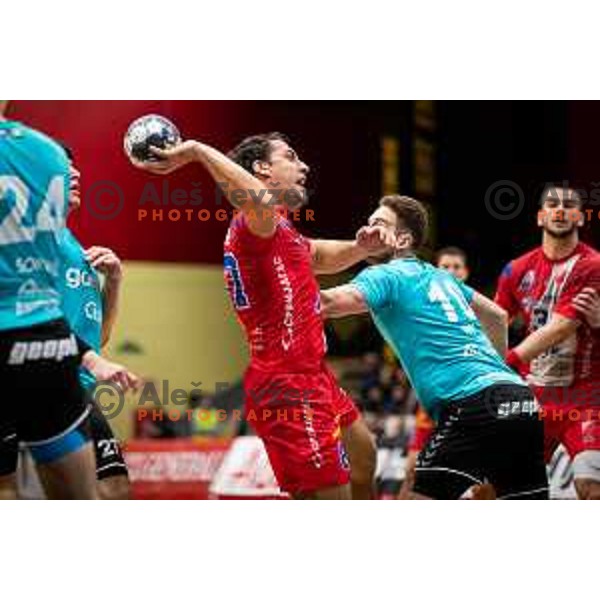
<point x="536" y="288"/>
<point x="276" y="296"/>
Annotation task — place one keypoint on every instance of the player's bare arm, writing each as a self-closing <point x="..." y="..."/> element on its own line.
<point x="342" y="301"/>
<point x="105" y="370"/>
<point x="108" y="263"/>
<point x="494" y="321"/>
<point x="333" y="256"/>
<point x="587" y="302"/>
<point x="555" y="331"/>
<point x="255" y="200"/>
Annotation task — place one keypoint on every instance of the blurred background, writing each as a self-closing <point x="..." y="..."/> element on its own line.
<point x="176" y="324"/>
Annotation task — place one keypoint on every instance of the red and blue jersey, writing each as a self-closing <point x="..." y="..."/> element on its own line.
<point x="535" y="288"/>
<point x="276" y="296"/>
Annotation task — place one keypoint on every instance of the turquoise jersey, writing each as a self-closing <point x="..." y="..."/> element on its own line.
<point x="34" y="176"/>
<point x="425" y="315"/>
<point x="81" y="297"/>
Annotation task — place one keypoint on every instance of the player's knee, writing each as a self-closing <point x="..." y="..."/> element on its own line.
<point x="587" y="489"/>
<point x="114" y="488"/>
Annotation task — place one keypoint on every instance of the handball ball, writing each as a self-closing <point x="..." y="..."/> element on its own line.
<point x="150" y="130"/>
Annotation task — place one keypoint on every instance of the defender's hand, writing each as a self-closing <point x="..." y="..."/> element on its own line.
<point x="105" y="370"/>
<point x="105" y="261"/>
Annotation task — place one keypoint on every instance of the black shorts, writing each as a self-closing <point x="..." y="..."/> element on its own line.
<point x="109" y="458"/>
<point x="42" y="399"/>
<point x="495" y="436"/>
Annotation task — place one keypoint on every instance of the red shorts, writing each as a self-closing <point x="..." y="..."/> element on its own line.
<point x="575" y="426"/>
<point x="299" y="417"/>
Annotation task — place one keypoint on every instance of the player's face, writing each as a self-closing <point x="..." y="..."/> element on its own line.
<point x="559" y="215"/>
<point x="385" y="218"/>
<point x="3" y="106"/>
<point x="455" y="265"/>
<point x="74" y="187"/>
<point x="287" y="170"/>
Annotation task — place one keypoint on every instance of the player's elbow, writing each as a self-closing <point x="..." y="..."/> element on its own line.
<point x="326" y="304"/>
<point x="501" y="316"/>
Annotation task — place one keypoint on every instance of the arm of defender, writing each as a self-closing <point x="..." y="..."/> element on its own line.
<point x="110" y="309"/>
<point x="555" y="331"/>
<point x="108" y="263"/>
<point x="106" y="371"/>
<point x="242" y="189"/>
<point x="587" y="302"/>
<point x="494" y="320"/>
<point x="342" y="301"/>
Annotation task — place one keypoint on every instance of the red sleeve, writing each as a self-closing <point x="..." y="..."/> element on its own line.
<point x="504" y="292"/>
<point x="586" y="273"/>
<point x="252" y="242"/>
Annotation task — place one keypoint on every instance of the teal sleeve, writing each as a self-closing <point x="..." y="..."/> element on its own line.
<point x="467" y="291"/>
<point x="375" y="285"/>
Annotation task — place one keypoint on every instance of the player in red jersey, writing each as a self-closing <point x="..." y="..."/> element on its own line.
<point x="306" y="421"/>
<point x="561" y="353"/>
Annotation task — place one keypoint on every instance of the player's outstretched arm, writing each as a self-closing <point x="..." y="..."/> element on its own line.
<point x="241" y="188"/>
<point x="342" y="301"/>
<point x="108" y="263"/>
<point x="333" y="256"/>
<point x="494" y="321"/>
<point x="555" y="331"/>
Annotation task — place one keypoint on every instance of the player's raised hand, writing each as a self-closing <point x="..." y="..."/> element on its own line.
<point x="376" y="240"/>
<point x="105" y="261"/>
<point x="587" y="302"/>
<point x="170" y="159"/>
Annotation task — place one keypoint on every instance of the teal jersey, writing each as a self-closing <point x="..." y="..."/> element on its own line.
<point x="34" y="183"/>
<point x="81" y="297"/>
<point x="425" y="315"/>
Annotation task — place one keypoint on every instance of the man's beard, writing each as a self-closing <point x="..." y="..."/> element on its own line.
<point x="561" y="235"/>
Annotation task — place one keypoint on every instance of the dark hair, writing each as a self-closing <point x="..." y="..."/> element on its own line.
<point x="255" y="147"/>
<point x="413" y="215"/>
<point x="451" y="251"/>
<point x="67" y="149"/>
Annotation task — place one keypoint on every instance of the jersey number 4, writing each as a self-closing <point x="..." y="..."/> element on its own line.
<point x="19" y="225"/>
<point x="235" y="281"/>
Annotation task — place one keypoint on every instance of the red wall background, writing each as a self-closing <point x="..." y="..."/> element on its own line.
<point x="340" y="140"/>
